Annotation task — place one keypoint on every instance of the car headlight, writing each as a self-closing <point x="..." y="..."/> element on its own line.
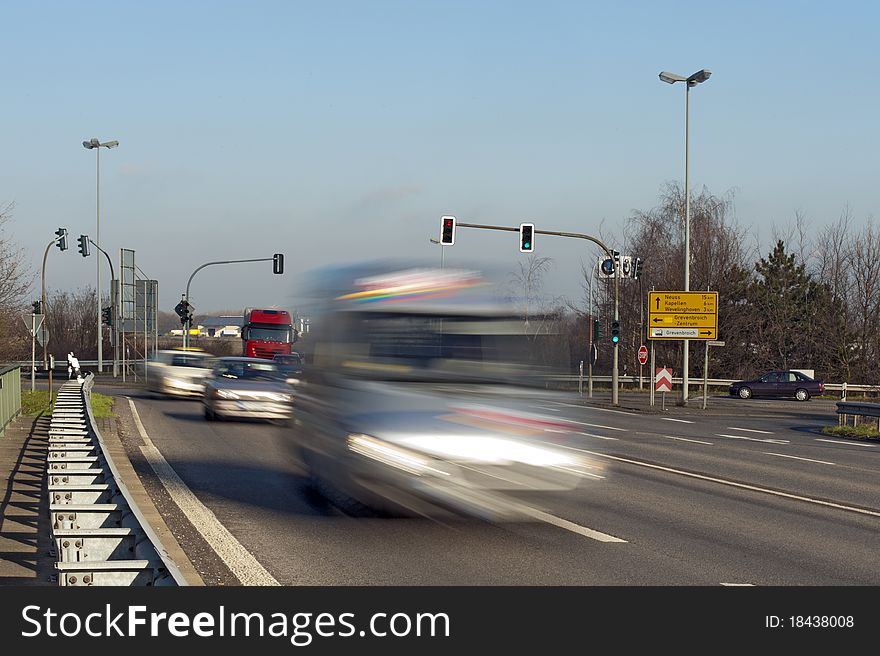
<point x="293" y="381"/>
<point x="392" y="455"/>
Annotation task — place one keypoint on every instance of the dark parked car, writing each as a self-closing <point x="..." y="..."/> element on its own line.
<point x="778" y="383"/>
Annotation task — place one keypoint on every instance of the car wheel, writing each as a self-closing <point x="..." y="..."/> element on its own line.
<point x="802" y="395"/>
<point x="745" y="393"/>
<point x="209" y="414"/>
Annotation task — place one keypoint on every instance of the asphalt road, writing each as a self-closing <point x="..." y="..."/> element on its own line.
<point x="750" y="493"/>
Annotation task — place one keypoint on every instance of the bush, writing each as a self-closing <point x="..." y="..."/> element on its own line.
<point x="861" y="432"/>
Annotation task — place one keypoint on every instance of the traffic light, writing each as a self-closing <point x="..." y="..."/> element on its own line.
<point x="61" y="235"/>
<point x="107" y="316"/>
<point x="597" y="330"/>
<point x="447" y="230"/>
<point x="526" y="237"/>
<point x="84" y="245"/>
<point x="615" y="331"/>
<point x="278" y="263"/>
<point x="637" y="268"/>
<point x="38" y="307"/>
<point x="184" y="311"/>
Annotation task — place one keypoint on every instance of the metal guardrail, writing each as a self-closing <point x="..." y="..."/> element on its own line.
<point x="847" y="409"/>
<point x="631" y="380"/>
<point x="10" y="395"/>
<point x="100" y="535"/>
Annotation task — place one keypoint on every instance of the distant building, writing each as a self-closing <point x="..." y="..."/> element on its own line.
<point x="221" y="326"/>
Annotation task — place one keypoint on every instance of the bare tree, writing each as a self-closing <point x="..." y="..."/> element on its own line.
<point x="16" y="279"/>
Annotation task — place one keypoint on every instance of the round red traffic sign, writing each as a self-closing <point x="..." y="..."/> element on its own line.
<point x="643" y="354"/>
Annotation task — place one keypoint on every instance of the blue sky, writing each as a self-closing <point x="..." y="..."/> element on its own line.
<point x="338" y="131"/>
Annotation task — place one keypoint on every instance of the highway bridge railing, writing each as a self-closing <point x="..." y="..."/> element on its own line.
<point x="101" y="536"/>
<point x="10" y="395"/>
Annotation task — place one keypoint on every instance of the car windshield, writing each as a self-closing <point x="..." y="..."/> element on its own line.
<point x="248" y="370"/>
<point x="189" y="360"/>
<point x="288" y="361"/>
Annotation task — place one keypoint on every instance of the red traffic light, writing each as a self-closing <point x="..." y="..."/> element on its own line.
<point x="447" y="230"/>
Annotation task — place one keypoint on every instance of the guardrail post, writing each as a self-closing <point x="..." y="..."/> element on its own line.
<point x="843" y="391"/>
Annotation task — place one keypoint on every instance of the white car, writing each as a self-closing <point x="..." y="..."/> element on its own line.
<point x="179" y="373"/>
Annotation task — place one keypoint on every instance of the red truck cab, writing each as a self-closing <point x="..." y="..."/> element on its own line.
<point x="266" y="333"/>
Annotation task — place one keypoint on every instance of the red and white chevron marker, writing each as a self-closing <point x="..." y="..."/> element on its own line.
<point x="663" y="379"/>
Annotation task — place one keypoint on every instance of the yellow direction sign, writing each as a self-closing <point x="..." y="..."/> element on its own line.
<point x="683" y="315"/>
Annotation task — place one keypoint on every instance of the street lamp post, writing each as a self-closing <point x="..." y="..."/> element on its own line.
<point x="94" y="144"/>
<point x="692" y="81"/>
<point x="442" y="250"/>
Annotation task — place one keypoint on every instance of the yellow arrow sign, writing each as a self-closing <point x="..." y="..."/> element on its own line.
<point x="683" y="320"/>
<point x="683" y="302"/>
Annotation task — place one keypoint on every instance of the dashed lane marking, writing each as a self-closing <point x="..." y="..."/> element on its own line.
<point x="685" y="439"/>
<point x="783" y="455"/>
<point x="240" y="561"/>
<point x="750" y="430"/>
<point x="601" y="437"/>
<point x="570" y="526"/>
<point x="847" y="443"/>
<point x="753" y="439"/>
<point x="681" y="421"/>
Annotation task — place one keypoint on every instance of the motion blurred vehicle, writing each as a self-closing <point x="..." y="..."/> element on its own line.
<point x="415" y="400"/>
<point x="778" y="384"/>
<point x="291" y="365"/>
<point x="179" y="372"/>
<point x="247" y="388"/>
<point x="266" y="333"/>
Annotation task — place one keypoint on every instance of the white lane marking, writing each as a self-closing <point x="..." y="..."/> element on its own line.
<point x="601" y="437"/>
<point x="739" y="585"/>
<point x="721" y="481"/>
<point x="570" y="526"/>
<point x="753" y="439"/>
<point x="846" y="443"/>
<point x="589" y="407"/>
<point x="684" y="439"/>
<point x="544" y="407"/>
<point x="240" y="561"/>
<point x="750" y="430"/>
<point x="583" y="423"/>
<point x="683" y="421"/>
<point x="782" y="455"/>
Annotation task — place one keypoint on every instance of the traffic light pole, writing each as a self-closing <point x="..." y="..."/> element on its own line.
<point x="207" y="264"/>
<point x="114" y="334"/>
<point x="577" y="235"/>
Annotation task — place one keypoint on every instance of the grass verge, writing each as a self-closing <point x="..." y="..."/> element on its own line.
<point x="36" y="403"/>
<point x="861" y="432"/>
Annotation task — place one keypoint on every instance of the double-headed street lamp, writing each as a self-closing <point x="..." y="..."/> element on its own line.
<point x="94" y="144"/>
<point x="692" y="81"/>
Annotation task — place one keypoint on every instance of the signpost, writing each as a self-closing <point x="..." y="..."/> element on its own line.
<point x="663" y="382"/>
<point x="683" y="315"/>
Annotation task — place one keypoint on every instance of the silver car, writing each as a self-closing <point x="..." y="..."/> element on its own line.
<point x="178" y="372"/>
<point x="247" y="388"/>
